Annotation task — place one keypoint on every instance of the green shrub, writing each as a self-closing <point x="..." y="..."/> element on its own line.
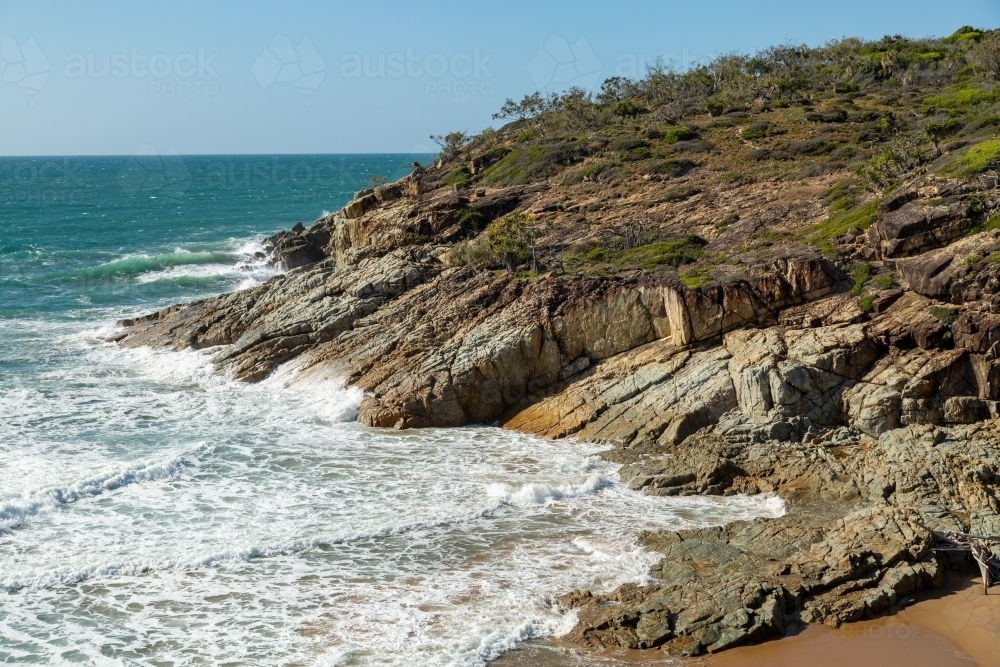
<point x="760" y="130"/>
<point x="669" y="167"/>
<point x="697" y="278"/>
<point x="861" y="273"/>
<point x="679" y="193"/>
<point x="884" y="282"/>
<point x="524" y="165"/>
<point x="729" y="219"/>
<point x="943" y="315"/>
<point x="715" y="106"/>
<point x="627" y="143"/>
<point x="842" y="196"/>
<point x="510" y="238"/>
<point x="890" y="163"/>
<point x="673" y="133"/>
<point x="866" y="302"/>
<point x="861" y="217"/>
<point x="691" y="146"/>
<point x="936" y="131"/>
<point x="814" y="146"/>
<point x="978" y="122"/>
<point x="970" y="261"/>
<point x="965" y="33"/>
<point x="470" y="219"/>
<point x="991" y="223"/>
<point x="637" y="154"/>
<point x="457" y="176"/>
<point x="472" y="253"/>
<point x="524" y="135"/>
<point x="628" y="109"/>
<point x="962" y="99"/>
<point x="828" y="116"/>
<point x="665" y="253"/>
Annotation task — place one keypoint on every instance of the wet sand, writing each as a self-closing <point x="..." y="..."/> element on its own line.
<point x="956" y="626"/>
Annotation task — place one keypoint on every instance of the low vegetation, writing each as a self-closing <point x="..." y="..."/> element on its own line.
<point x="861" y="116"/>
<point x="980" y="157"/>
<point x="618" y="254"/>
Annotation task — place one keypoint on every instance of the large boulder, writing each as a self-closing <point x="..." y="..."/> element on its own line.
<point x="918" y="225"/>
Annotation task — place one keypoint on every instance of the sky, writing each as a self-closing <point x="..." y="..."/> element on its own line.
<point x="120" y="78"/>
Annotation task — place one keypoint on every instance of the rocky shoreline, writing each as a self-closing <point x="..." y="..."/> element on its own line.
<point x="875" y="424"/>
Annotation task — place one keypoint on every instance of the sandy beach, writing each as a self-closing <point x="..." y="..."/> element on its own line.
<point x="955" y="626"/>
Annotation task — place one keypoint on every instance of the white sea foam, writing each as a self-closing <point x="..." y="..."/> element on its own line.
<point x="63" y="576"/>
<point x="535" y="493"/>
<point x="17" y="511"/>
<point x="283" y="533"/>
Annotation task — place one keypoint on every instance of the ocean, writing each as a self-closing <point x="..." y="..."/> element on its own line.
<point x="152" y="512"/>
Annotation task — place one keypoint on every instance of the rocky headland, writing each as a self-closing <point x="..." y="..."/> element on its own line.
<point x="792" y="292"/>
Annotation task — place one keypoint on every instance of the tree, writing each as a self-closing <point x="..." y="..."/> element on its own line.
<point x="616" y="89"/>
<point x="628" y="109"/>
<point x="890" y="163"/>
<point x="529" y="107"/>
<point x="986" y="55"/>
<point x="511" y="239"/>
<point x="935" y="131"/>
<point x="451" y="144"/>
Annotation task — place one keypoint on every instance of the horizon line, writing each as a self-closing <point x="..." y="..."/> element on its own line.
<point x="128" y="155"/>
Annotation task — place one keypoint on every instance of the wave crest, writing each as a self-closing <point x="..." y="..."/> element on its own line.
<point x="135" y="265"/>
<point x="18" y="511"/>
<point x="536" y="493"/>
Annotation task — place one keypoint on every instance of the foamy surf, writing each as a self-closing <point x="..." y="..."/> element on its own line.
<point x="535" y="493"/>
<point x="370" y="547"/>
<point x="30" y="506"/>
<point x="115" y="570"/>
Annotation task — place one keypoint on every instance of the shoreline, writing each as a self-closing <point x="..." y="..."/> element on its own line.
<point x="953" y="626"/>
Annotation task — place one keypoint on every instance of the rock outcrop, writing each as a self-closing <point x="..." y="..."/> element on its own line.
<point x="434" y="345"/>
<point x="855" y="541"/>
<point x="872" y="417"/>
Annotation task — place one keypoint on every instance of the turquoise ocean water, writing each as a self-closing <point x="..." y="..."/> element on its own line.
<point x="154" y="513"/>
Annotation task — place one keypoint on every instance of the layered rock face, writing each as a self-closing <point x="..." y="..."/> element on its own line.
<point x="874" y="424"/>
<point x="440" y="346"/>
<point x="854" y="543"/>
<point x="871" y="374"/>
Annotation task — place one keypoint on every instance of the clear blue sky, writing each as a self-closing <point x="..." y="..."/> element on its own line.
<point x="101" y="78"/>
